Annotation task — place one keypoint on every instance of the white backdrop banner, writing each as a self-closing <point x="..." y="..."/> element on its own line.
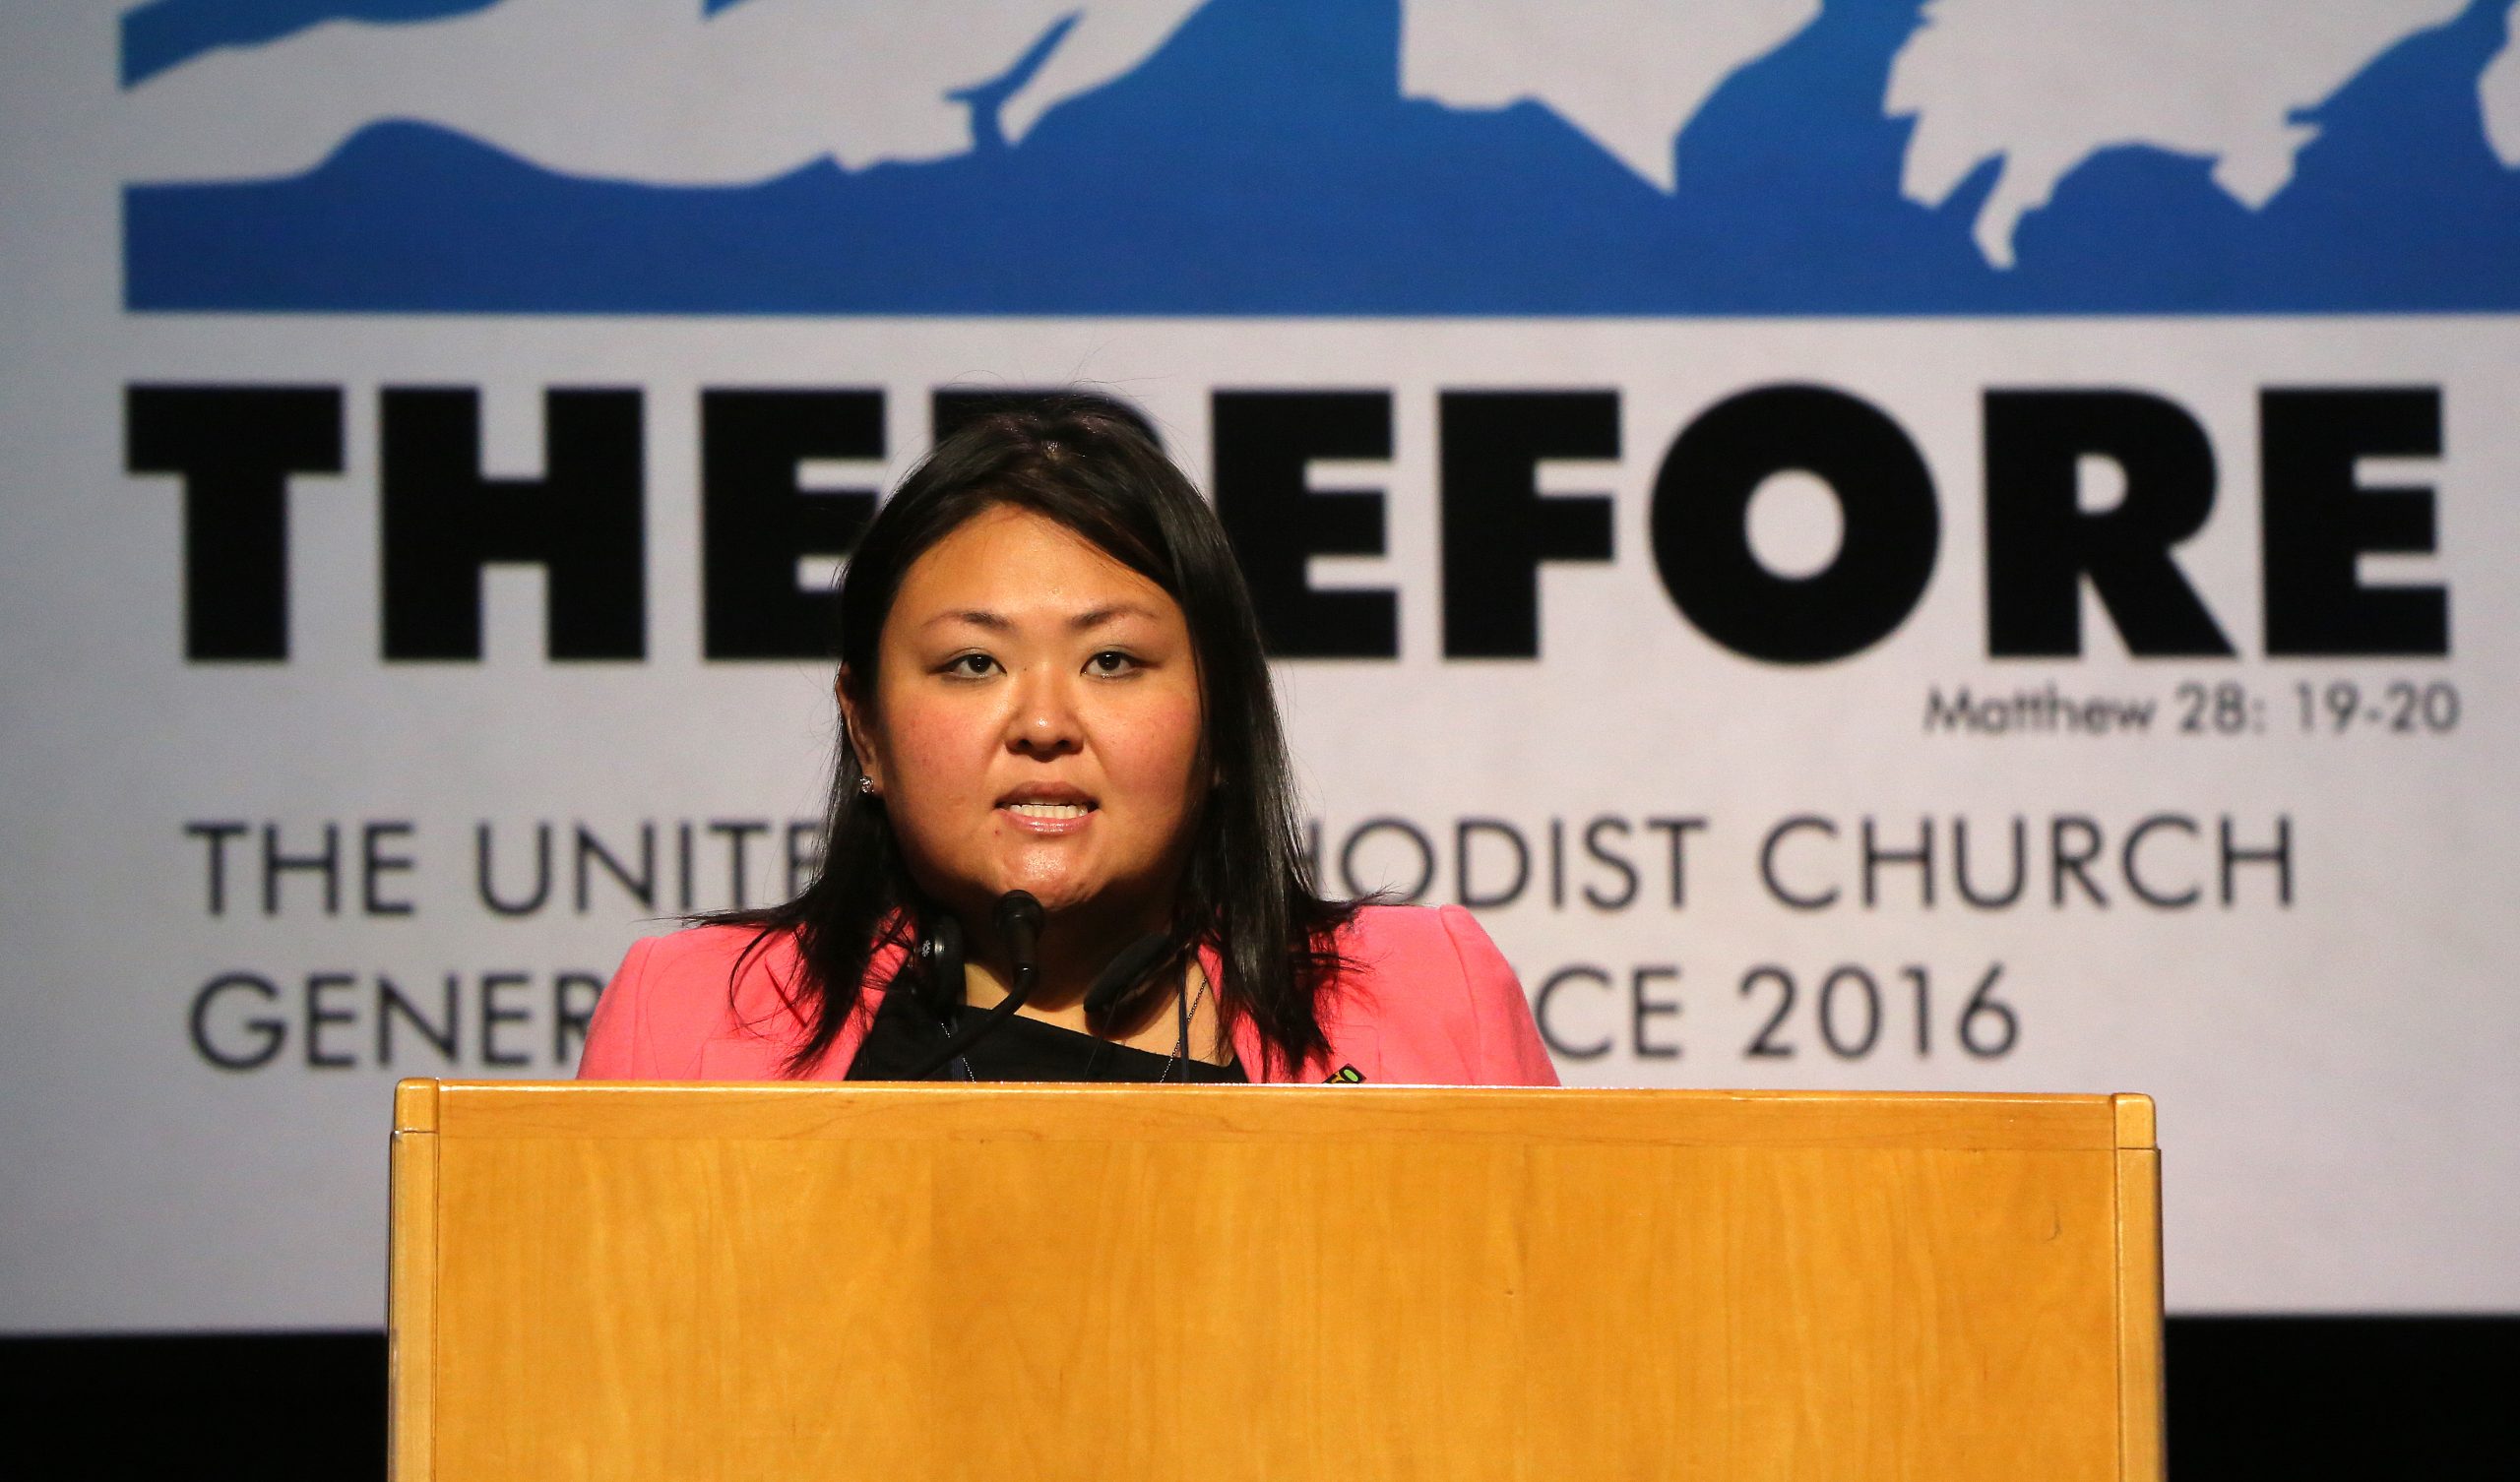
<point x="1876" y="544"/>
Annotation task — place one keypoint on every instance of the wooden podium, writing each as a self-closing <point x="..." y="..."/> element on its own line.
<point x="674" y="1283"/>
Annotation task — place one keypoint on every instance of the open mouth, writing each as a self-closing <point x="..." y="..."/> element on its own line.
<point x="1049" y="803"/>
<point x="1048" y="810"/>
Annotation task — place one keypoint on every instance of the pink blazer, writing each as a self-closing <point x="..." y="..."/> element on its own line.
<point x="1429" y="1001"/>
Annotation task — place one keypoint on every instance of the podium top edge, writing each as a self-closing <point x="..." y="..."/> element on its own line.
<point x="790" y="1109"/>
<point x="1133" y="1090"/>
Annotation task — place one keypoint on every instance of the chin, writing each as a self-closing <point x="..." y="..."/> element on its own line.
<point x="1058" y="892"/>
<point x="1093" y="897"/>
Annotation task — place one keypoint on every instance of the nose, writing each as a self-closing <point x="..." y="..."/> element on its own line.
<point x="1045" y="721"/>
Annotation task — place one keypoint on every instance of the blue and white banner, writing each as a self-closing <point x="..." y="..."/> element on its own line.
<point x="1878" y="544"/>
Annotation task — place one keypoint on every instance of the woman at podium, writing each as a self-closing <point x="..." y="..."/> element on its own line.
<point x="1061" y="842"/>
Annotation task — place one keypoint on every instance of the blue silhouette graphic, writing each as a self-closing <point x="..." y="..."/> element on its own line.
<point x="166" y="33"/>
<point x="1264" y="162"/>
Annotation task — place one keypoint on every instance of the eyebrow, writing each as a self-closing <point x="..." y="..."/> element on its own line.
<point x="977" y="617"/>
<point x="998" y="622"/>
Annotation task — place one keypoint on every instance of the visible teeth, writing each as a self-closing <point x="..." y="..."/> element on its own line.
<point x="1050" y="810"/>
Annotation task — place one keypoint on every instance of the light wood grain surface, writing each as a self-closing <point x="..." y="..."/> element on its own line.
<point x="699" y="1282"/>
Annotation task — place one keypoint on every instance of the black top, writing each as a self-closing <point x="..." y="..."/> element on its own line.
<point x="1021" y="1049"/>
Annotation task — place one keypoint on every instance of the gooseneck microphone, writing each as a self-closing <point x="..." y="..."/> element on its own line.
<point x="1018" y="918"/>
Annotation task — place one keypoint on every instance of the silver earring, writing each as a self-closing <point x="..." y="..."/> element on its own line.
<point x="866" y="786"/>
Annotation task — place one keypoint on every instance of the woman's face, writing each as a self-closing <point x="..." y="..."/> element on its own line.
<point x="1035" y="725"/>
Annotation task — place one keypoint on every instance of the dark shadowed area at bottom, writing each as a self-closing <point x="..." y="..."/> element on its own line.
<point x="2290" y="1398"/>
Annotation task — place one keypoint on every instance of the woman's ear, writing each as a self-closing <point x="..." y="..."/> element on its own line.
<point x="854" y="718"/>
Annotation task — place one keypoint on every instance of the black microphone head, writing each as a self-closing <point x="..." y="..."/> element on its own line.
<point x="1017" y="910"/>
<point x="1133" y="964"/>
<point x="1019" y="924"/>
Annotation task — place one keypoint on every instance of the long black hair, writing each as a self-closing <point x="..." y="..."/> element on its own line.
<point x="1246" y="889"/>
